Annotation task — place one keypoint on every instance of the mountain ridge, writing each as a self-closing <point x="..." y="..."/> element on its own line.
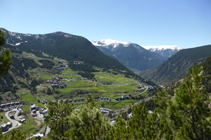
<point x="165" y="51"/>
<point x="69" y="47"/>
<point x="132" y="55"/>
<point x="176" y="67"/>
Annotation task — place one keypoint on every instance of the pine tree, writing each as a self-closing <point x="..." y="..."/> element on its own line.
<point x="119" y="131"/>
<point x="186" y="115"/>
<point x="15" y="134"/>
<point x="5" y="56"/>
<point x="88" y="123"/>
<point x="143" y="125"/>
<point x="57" y="119"/>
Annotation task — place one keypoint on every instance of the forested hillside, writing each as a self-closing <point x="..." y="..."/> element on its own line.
<point x="65" y="46"/>
<point x="69" y="47"/>
<point x="176" y="67"/>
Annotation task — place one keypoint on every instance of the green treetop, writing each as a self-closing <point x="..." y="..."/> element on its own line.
<point x="5" y="56"/>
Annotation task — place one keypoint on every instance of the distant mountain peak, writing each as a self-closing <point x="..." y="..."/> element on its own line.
<point x="154" y="48"/>
<point x="108" y="42"/>
<point x="165" y="51"/>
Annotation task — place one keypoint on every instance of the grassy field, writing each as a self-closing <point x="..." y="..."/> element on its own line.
<point x="67" y="71"/>
<point x="29" y="99"/>
<point x="3" y="119"/>
<point x="46" y="76"/>
<point x="26" y="108"/>
<point x="30" y="126"/>
<point x="107" y="85"/>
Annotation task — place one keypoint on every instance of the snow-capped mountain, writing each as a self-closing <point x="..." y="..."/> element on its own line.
<point x="133" y="56"/>
<point x="110" y="44"/>
<point x="165" y="51"/>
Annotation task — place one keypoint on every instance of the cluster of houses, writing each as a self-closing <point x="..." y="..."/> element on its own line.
<point x="106" y="110"/>
<point x="6" y="126"/>
<point x="37" y="112"/>
<point x="123" y="97"/>
<point x="149" y="87"/>
<point x="140" y="86"/>
<point x="59" y="67"/>
<point x="9" y="106"/>
<point x="57" y="84"/>
<point x="105" y="98"/>
<point x="70" y="100"/>
<point x="37" y="136"/>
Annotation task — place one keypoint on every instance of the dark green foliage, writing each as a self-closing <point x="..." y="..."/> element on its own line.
<point x="176" y="67"/>
<point x="74" y="48"/>
<point x="47" y="64"/>
<point x="15" y="134"/>
<point x="13" y="49"/>
<point x="18" y="68"/>
<point x="22" y="64"/>
<point x="57" y="119"/>
<point x="124" y="115"/>
<point x="49" y="92"/>
<point x="186" y="114"/>
<point x="35" y="83"/>
<point x="207" y="73"/>
<point x="5" y="56"/>
<point x="87" y="75"/>
<point x="81" y="67"/>
<point x="71" y="48"/>
<point x="150" y="105"/>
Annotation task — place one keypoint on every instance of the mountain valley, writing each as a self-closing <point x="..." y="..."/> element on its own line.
<point x="61" y="69"/>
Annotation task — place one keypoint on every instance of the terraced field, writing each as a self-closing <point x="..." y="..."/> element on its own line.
<point x="105" y="85"/>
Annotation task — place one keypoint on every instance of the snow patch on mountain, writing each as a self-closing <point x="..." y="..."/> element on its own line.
<point x="109" y="42"/>
<point x="154" y="48"/>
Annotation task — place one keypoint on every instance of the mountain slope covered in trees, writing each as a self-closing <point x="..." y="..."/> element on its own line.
<point x="69" y="47"/>
<point x="62" y="45"/>
<point x="176" y="67"/>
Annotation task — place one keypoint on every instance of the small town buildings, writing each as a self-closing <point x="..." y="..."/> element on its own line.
<point x="149" y="87"/>
<point x="106" y="110"/>
<point x="9" y="124"/>
<point x="32" y="107"/>
<point x="4" y="127"/>
<point x="22" y="120"/>
<point x="11" y="116"/>
<point x="38" y="136"/>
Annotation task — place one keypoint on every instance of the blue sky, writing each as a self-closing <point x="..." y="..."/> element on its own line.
<point x="185" y="23"/>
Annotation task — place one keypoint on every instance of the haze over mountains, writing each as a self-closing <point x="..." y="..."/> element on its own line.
<point x="133" y="56"/>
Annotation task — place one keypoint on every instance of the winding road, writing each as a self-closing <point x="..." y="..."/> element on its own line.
<point x="15" y="124"/>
